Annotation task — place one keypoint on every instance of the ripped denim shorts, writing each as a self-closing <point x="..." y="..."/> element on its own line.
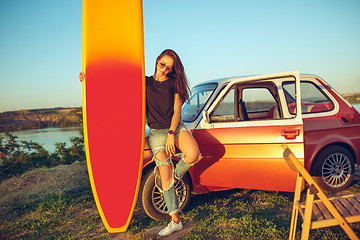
<point x="157" y="137"/>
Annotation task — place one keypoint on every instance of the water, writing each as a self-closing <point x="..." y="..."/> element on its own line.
<point x="357" y="107"/>
<point x="47" y="137"/>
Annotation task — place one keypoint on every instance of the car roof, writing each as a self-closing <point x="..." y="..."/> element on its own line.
<point x="223" y="81"/>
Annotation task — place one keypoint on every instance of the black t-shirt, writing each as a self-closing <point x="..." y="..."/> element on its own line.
<point x="159" y="102"/>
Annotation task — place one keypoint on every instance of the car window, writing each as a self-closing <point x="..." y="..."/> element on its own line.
<point x="248" y="103"/>
<point x="198" y="98"/>
<point x="258" y="100"/>
<point x="313" y="100"/>
<point x="225" y="110"/>
<point x="259" y="103"/>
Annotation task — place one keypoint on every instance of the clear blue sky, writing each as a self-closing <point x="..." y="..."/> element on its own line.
<point x="40" y="43"/>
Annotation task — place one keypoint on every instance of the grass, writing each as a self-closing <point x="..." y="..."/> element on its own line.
<point x="47" y="209"/>
<point x="52" y="203"/>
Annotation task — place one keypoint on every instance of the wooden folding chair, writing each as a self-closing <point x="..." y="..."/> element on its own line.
<point x="324" y="212"/>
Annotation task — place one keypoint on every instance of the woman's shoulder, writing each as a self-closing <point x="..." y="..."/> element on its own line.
<point x="149" y="79"/>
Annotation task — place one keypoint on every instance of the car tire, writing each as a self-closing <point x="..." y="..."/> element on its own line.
<point x="152" y="200"/>
<point x="333" y="169"/>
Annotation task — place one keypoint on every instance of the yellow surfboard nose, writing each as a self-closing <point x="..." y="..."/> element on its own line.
<point x="112" y="30"/>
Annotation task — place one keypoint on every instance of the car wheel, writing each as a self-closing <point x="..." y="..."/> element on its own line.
<point x="152" y="200"/>
<point x="333" y="169"/>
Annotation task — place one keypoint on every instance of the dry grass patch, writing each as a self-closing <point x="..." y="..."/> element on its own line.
<point x="41" y="182"/>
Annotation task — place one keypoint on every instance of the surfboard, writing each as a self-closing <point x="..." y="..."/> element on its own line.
<point x="114" y="105"/>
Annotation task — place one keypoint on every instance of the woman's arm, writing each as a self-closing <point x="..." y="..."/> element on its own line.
<point x="177" y="112"/>
<point x="170" y="141"/>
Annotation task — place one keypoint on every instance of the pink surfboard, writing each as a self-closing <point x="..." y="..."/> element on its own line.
<point x="114" y="105"/>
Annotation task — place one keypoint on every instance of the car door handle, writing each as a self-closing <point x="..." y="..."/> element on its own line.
<point x="290" y="133"/>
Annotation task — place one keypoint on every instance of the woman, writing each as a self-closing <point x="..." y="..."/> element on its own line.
<point x="166" y="90"/>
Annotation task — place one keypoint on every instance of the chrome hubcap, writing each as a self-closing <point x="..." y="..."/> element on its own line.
<point x="336" y="170"/>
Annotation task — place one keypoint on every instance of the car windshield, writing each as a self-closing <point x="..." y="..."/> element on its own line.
<point x="198" y="98"/>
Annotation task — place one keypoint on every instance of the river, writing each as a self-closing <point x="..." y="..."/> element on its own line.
<point x="357" y="106"/>
<point x="49" y="136"/>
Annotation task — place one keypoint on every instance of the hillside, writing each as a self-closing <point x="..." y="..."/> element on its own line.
<point x="40" y="118"/>
<point x="353" y="98"/>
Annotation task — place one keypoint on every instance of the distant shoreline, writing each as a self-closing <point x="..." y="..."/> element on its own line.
<point x="40" y="118"/>
<point x="353" y="98"/>
<point x="47" y="128"/>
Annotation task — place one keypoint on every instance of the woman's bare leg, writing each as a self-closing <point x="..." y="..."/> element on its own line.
<point x="188" y="146"/>
<point x="166" y="175"/>
<point x="165" y="171"/>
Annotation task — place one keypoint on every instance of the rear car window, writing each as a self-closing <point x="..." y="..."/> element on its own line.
<point x="313" y="99"/>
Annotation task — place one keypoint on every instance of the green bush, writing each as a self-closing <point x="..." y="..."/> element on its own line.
<point x="17" y="157"/>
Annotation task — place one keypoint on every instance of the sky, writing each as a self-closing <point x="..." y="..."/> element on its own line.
<point x="40" y="43"/>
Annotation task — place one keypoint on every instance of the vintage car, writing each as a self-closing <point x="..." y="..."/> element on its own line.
<point x="240" y="123"/>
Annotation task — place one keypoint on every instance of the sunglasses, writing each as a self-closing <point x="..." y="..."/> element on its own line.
<point x="163" y="65"/>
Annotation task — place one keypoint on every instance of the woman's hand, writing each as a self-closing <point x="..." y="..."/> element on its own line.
<point x="81" y="76"/>
<point x="170" y="144"/>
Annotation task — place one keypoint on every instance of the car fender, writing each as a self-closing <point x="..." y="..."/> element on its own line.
<point x="326" y="142"/>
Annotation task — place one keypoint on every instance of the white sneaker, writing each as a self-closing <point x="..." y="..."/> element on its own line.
<point x="170" y="228"/>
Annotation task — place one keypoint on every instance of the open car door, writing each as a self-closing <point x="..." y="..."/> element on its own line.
<point x="241" y="134"/>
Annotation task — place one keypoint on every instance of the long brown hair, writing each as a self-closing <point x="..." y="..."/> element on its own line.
<point x="177" y="73"/>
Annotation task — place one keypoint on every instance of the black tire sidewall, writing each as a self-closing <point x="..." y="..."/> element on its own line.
<point x="316" y="169"/>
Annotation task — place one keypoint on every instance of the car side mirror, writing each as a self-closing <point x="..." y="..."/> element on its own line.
<point x="206" y="116"/>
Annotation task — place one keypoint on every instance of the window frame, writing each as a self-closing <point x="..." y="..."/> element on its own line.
<point x="205" y="103"/>
<point x="239" y="105"/>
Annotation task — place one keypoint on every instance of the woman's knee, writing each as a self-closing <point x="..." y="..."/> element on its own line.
<point x="193" y="153"/>
<point x="164" y="163"/>
<point x="164" y="169"/>
<point x="193" y="157"/>
<point x="161" y="156"/>
<point x="188" y="146"/>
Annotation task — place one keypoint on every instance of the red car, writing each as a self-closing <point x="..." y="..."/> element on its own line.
<point x="240" y="123"/>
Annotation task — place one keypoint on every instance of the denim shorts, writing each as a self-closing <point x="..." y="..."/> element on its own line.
<point x="157" y="137"/>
